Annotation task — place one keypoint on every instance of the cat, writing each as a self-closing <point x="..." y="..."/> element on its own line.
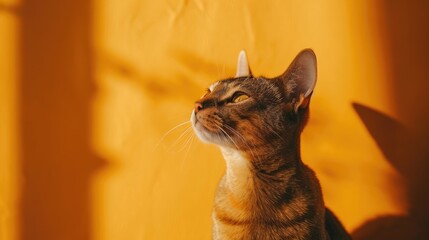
<point x="267" y="192"/>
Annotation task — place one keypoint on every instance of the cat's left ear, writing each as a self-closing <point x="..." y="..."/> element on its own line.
<point x="299" y="79"/>
<point x="243" y="69"/>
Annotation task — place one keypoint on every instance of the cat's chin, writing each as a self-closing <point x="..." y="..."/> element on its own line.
<point x="204" y="135"/>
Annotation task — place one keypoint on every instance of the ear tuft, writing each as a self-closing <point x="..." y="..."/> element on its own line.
<point x="243" y="69"/>
<point x="300" y="78"/>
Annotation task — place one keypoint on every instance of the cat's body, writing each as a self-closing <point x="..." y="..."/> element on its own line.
<point x="267" y="192"/>
<point x="253" y="204"/>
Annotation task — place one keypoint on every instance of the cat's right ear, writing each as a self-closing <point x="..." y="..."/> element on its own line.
<point x="299" y="79"/>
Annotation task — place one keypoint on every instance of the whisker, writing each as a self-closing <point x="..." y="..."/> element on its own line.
<point x="184" y="133"/>
<point x="242" y="139"/>
<point x="226" y="134"/>
<point x="169" y="132"/>
<point x="187" y="142"/>
<point x="189" y="148"/>
<point x="245" y="142"/>
<point x="183" y="143"/>
<point x="238" y="135"/>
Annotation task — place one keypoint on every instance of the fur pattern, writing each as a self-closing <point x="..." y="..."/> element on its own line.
<point x="267" y="192"/>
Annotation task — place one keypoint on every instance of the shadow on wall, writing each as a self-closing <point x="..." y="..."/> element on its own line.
<point x="157" y="88"/>
<point x="405" y="35"/>
<point x="153" y="86"/>
<point x="407" y="153"/>
<point x="56" y="88"/>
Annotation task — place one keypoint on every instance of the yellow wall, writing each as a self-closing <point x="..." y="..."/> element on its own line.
<point x="88" y="90"/>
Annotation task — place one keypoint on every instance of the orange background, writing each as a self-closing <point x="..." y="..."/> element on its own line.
<point x="88" y="88"/>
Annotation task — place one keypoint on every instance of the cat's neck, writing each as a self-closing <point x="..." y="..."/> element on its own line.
<point x="247" y="170"/>
<point x="238" y="176"/>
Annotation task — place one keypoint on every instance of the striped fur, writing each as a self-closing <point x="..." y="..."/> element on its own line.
<point x="267" y="192"/>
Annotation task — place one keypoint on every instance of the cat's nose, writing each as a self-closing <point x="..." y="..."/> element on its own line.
<point x="198" y="106"/>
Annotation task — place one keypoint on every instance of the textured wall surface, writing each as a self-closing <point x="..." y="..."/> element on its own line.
<point x="90" y="89"/>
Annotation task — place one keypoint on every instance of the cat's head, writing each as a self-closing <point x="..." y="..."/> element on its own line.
<point x="248" y="112"/>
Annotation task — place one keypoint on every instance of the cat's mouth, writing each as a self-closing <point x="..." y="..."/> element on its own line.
<point x="207" y="133"/>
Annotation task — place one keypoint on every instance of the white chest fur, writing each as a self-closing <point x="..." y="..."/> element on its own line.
<point x="238" y="172"/>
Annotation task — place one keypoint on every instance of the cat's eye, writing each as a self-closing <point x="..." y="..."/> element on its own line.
<point x="239" y="97"/>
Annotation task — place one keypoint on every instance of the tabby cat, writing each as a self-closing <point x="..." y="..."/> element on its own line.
<point x="267" y="192"/>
